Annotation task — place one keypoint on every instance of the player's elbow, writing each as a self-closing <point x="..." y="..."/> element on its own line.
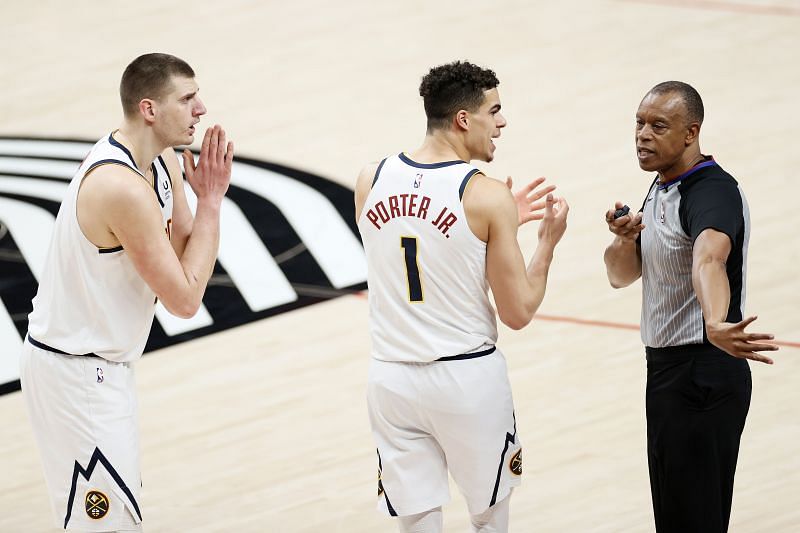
<point x="182" y="307"/>
<point x="517" y="319"/>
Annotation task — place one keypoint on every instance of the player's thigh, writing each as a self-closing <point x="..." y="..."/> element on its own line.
<point x="84" y="416"/>
<point x="411" y="465"/>
<point x="472" y="412"/>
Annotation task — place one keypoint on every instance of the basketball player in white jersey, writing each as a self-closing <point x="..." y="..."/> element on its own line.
<point x="124" y="236"/>
<point x="438" y="234"/>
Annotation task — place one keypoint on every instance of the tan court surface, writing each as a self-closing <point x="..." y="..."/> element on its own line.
<point x="263" y="428"/>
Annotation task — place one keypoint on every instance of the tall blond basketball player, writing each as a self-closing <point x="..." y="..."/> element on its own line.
<point x="124" y="236"/>
<point x="438" y="234"/>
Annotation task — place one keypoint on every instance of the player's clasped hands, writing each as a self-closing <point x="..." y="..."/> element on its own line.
<point x="627" y="226"/>
<point x="210" y="177"/>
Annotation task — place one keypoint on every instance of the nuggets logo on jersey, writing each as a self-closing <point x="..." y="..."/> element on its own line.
<point x="515" y="464"/>
<point x="96" y="504"/>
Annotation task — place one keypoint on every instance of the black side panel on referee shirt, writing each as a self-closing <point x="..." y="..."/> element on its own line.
<point x="710" y="198"/>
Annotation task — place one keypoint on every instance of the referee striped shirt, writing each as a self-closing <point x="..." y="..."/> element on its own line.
<point x="674" y="214"/>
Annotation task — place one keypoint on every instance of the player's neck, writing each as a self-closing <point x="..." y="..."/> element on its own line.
<point x="439" y="146"/>
<point x="141" y="142"/>
<point x="689" y="159"/>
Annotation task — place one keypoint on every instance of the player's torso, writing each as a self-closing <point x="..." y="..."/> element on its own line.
<point x="90" y="299"/>
<point x="427" y="270"/>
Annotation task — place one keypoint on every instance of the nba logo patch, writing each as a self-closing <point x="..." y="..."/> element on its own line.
<point x="96" y="504"/>
<point x="100" y="377"/>
<point x="418" y="181"/>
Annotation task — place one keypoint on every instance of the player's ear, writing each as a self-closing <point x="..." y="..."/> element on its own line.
<point x="147" y="108"/>
<point x="462" y="120"/>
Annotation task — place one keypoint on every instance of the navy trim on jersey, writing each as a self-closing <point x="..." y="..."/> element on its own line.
<point x="405" y="159"/>
<point x="155" y="183"/>
<point x="43" y="346"/>
<point x="110" y="250"/>
<point x="164" y="166"/>
<point x="378" y="171"/>
<point x="87" y="474"/>
<point x="509" y="439"/>
<point x="473" y="355"/>
<point x="704" y="164"/>
<point x="465" y="181"/>
<point x="119" y="145"/>
<point x="107" y="162"/>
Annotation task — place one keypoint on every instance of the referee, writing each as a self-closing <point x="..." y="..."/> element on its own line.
<point x="692" y="261"/>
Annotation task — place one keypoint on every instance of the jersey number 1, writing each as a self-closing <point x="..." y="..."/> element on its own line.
<point x="409" y="245"/>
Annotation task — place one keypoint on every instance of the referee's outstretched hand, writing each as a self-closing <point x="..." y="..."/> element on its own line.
<point x="733" y="339"/>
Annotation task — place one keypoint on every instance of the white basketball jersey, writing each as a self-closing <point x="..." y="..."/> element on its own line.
<point x="90" y="299"/>
<point x="428" y="293"/>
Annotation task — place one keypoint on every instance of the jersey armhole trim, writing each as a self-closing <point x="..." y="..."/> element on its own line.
<point x="377" y="172"/>
<point x="465" y="181"/>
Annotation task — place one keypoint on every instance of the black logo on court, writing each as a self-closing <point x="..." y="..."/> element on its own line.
<point x="515" y="464"/>
<point x="97" y="504"/>
<point x="288" y="239"/>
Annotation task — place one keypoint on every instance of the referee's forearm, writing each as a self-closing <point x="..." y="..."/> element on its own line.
<point x="710" y="280"/>
<point x="623" y="262"/>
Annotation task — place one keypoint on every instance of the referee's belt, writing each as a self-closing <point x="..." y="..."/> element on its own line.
<point x="473" y="355"/>
<point x="43" y="346"/>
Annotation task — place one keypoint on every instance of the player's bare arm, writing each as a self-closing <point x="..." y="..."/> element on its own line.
<point x="623" y="257"/>
<point x="492" y="215"/>
<point x="131" y="214"/>
<point x="363" y="186"/>
<point x="182" y="219"/>
<point x="710" y="280"/>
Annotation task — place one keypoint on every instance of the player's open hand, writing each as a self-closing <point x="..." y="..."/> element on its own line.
<point x="554" y="221"/>
<point x="733" y="339"/>
<point x="627" y="227"/>
<point x="210" y="177"/>
<point x="530" y="205"/>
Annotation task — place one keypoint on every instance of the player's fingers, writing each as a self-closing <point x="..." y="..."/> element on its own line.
<point x="533" y="184"/>
<point x="221" y="145"/>
<point x="188" y="163"/>
<point x="229" y="156"/>
<point x="509" y="182"/>
<point x="206" y="143"/>
<point x="542" y="193"/>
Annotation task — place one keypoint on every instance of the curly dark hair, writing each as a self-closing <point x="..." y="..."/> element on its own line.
<point x="689" y="95"/>
<point x="446" y="89"/>
<point x="150" y="76"/>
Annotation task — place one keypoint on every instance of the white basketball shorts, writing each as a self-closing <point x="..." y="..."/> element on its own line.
<point x="85" y="422"/>
<point x="428" y="418"/>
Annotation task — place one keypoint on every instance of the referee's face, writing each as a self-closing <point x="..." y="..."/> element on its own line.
<point x="662" y="134"/>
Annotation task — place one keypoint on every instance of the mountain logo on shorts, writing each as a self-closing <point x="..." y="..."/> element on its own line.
<point x="96" y="504"/>
<point x="288" y="239"/>
<point x="515" y="464"/>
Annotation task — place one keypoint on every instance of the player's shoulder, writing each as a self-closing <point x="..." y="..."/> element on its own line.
<point x="118" y="184"/>
<point x="483" y="190"/>
<point x="368" y="173"/>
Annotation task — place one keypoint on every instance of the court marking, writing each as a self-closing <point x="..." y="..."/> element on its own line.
<point x="719" y="5"/>
<point x="599" y="323"/>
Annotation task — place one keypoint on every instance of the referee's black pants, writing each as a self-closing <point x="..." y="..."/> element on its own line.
<point x="696" y="408"/>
